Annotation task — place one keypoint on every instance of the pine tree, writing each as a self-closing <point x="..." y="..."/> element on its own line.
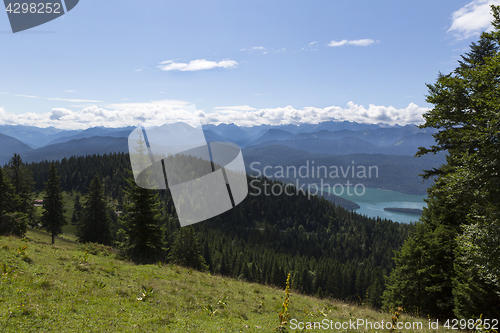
<point x="53" y="216"/>
<point x="145" y="233"/>
<point x="186" y="250"/>
<point x="22" y="181"/>
<point x="422" y="280"/>
<point x="77" y="212"/>
<point x="11" y="222"/>
<point x="95" y="223"/>
<point x="451" y="265"/>
<point x="6" y="191"/>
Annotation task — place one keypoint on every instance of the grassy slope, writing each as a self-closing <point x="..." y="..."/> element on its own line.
<point x="55" y="290"/>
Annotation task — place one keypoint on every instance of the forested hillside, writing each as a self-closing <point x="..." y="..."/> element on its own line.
<point x="330" y="251"/>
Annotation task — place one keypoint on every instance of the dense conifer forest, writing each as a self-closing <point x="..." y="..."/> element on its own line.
<point x="329" y="251"/>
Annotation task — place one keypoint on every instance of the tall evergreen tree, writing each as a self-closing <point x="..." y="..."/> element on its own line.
<point x="95" y="223"/>
<point x="186" y="250"/>
<point x="11" y="222"/>
<point x="77" y="212"/>
<point x="145" y="233"/>
<point x="460" y="239"/>
<point x="6" y="193"/>
<point x="22" y="181"/>
<point x="422" y="280"/>
<point x="53" y="215"/>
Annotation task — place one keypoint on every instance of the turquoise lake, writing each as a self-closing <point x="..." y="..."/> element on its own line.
<point x="373" y="202"/>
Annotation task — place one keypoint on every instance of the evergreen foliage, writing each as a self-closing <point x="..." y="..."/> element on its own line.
<point x="186" y="250"/>
<point x="11" y="222"/>
<point x="454" y="254"/>
<point x="95" y="223"/>
<point x="77" y="210"/>
<point x="53" y="215"/>
<point x="143" y="221"/>
<point x="263" y="238"/>
<point x="22" y="181"/>
<point x="77" y="172"/>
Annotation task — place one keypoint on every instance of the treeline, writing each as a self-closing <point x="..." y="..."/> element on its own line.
<point x="329" y="251"/>
<point x="414" y="211"/>
<point x="76" y="173"/>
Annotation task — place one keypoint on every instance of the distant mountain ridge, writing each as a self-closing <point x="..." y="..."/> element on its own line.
<point x="328" y="138"/>
<point x="80" y="147"/>
<point x="272" y="135"/>
<point x="394" y="172"/>
<point x="122" y="132"/>
<point x="33" y="136"/>
<point x="9" y="146"/>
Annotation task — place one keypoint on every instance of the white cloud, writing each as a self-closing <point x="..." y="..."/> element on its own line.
<point x="335" y="44"/>
<point x="356" y="42"/>
<point x="361" y="42"/>
<point x="234" y="108"/>
<point x="171" y="111"/>
<point x="247" y="116"/>
<point x="3" y="93"/>
<point x="70" y="91"/>
<point x="27" y="96"/>
<point x="256" y="48"/>
<point x="57" y="114"/>
<point x="74" y="100"/>
<point x="472" y="19"/>
<point x="113" y="115"/>
<point x="196" y="65"/>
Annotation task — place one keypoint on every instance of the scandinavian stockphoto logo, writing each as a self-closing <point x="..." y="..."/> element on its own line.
<point x="205" y="178"/>
<point x="26" y="14"/>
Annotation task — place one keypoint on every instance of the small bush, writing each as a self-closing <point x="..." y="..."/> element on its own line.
<point x="14" y="224"/>
<point x="97" y="249"/>
<point x="45" y="284"/>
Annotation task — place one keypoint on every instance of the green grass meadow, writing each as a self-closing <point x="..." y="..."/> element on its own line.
<point x="64" y="288"/>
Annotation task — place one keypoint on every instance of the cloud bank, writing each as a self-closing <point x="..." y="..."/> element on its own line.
<point x="196" y="65"/>
<point x="73" y="100"/>
<point x="171" y="111"/>
<point x="357" y="42"/>
<point x="473" y="18"/>
<point x="247" y="116"/>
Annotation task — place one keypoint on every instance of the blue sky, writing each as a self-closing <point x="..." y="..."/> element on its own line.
<point x="113" y="62"/>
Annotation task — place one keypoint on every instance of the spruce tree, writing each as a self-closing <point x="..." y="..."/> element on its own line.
<point x="458" y="243"/>
<point x="145" y="233"/>
<point x="186" y="250"/>
<point x="6" y="191"/>
<point x="22" y="181"/>
<point x="11" y="222"/>
<point x="95" y="223"/>
<point x="77" y="212"/>
<point x="53" y="215"/>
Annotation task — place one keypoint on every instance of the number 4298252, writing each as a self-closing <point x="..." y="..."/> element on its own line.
<point x="471" y="324"/>
<point x="34" y="8"/>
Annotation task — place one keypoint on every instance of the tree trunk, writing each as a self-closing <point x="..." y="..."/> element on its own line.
<point x="52" y="238"/>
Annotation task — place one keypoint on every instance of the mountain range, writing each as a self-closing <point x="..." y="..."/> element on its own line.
<point x="330" y="138"/>
<point x="321" y="137"/>
<point x="392" y="147"/>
